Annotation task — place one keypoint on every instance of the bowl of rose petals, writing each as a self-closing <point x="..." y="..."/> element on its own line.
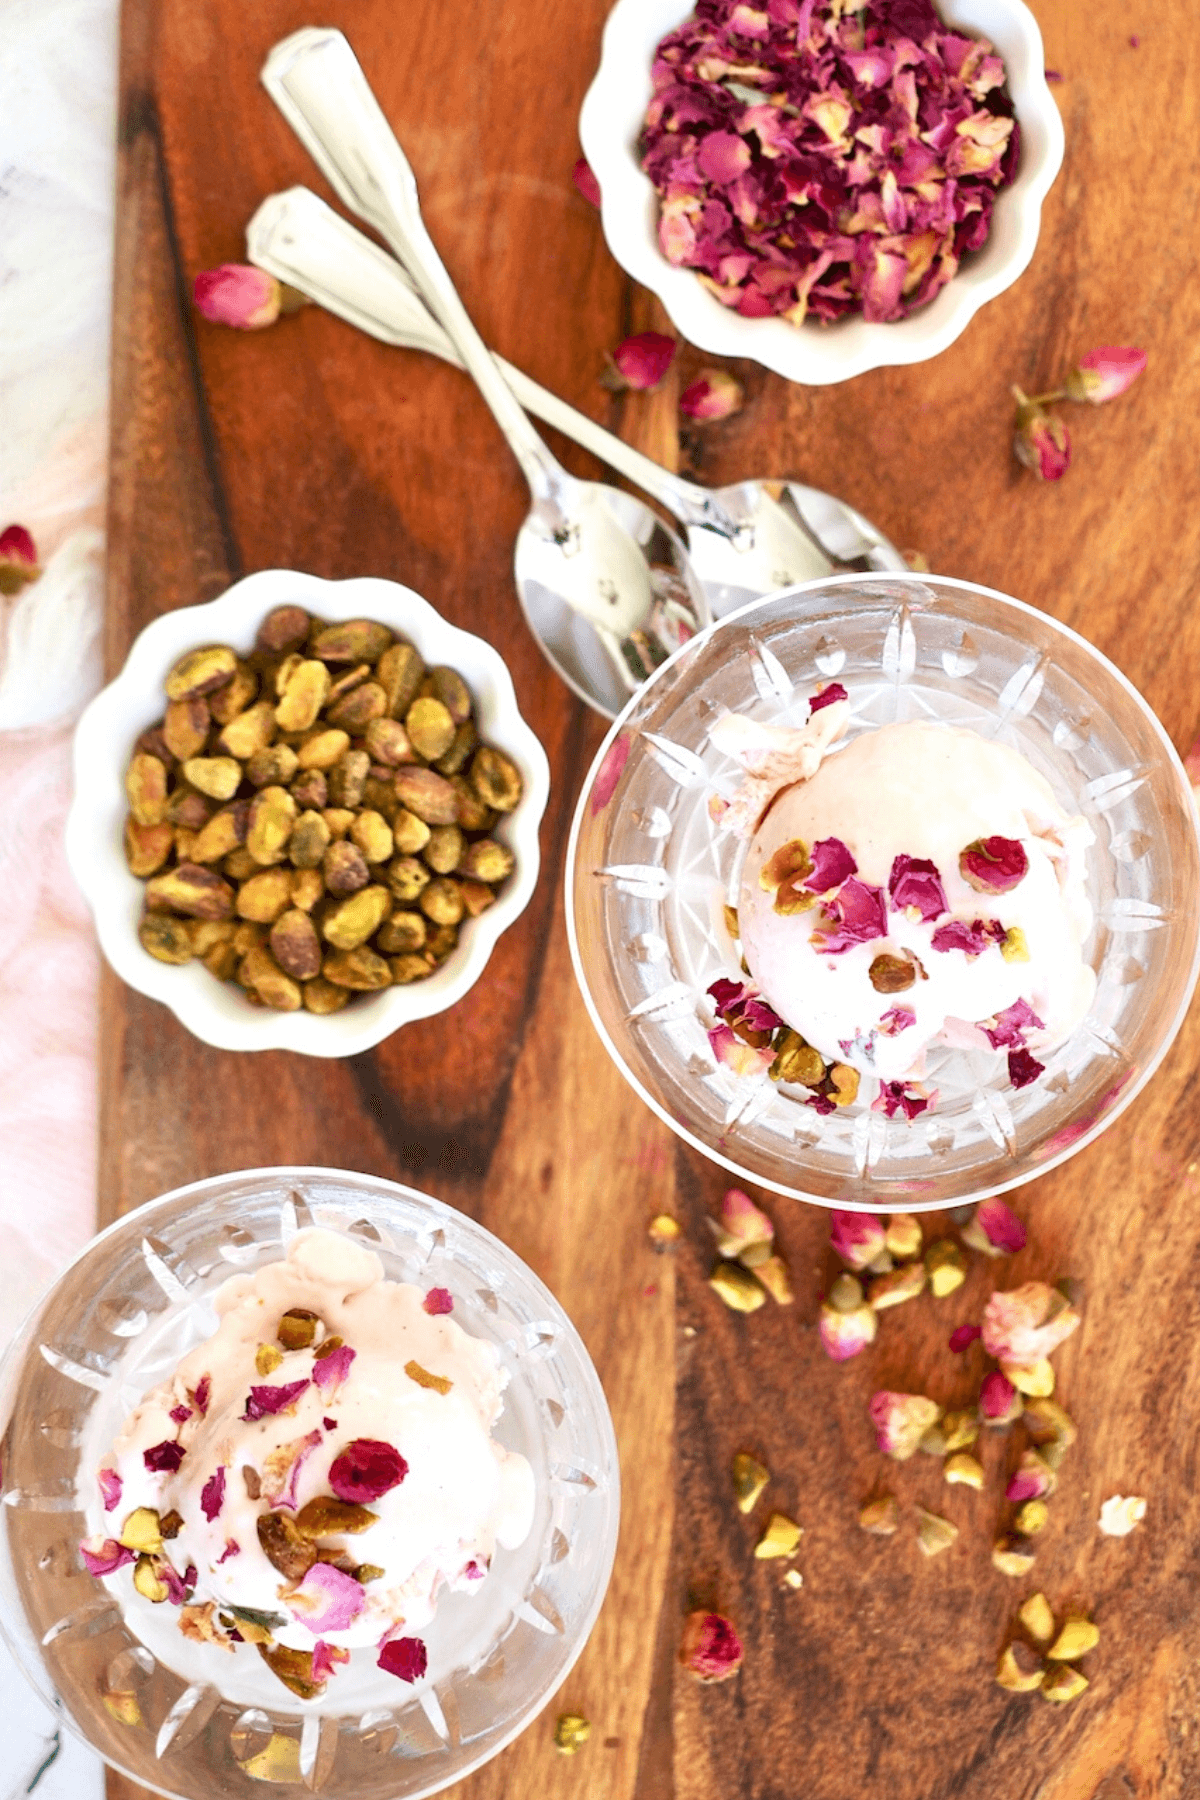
<point x="882" y="893"/>
<point x="308" y="1480"/>
<point x="825" y="190"/>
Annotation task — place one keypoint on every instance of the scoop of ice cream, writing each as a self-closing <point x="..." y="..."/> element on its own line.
<point x="922" y="884"/>
<point x="323" y="1464"/>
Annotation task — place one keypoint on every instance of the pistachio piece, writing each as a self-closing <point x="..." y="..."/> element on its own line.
<point x="222" y="961"/>
<point x="323" y="749"/>
<point x="260" y="972"/>
<point x="427" y="794"/>
<point x="355" y="710"/>
<point x="399" y="672"/>
<point x="217" y="776"/>
<point x="1031" y="1518"/>
<point x="476" y="897"/>
<point x="571" y="1732"/>
<point x="796" y="1061"/>
<point x="880" y="1517"/>
<point x="297" y="1328"/>
<point x="185" y="842"/>
<point x="249" y="732"/>
<point x="496" y="779"/>
<point x="946" y="1265"/>
<point x="309" y="841"/>
<point x="896" y="1286"/>
<point x="934" y="1534"/>
<point x="146" y="789"/>
<point x="402" y="933"/>
<point x="327" y="1517"/>
<point x="410" y="967"/>
<point x="302" y="695"/>
<point x="267" y="1358"/>
<point x="358" y="969"/>
<point x="188" y="809"/>
<point x="310" y="791"/>
<point x="223" y="834"/>
<point x="204" y="933"/>
<point x="274" y="767"/>
<point x="409" y="833"/>
<point x="444" y="851"/>
<point x="142" y="1531"/>
<point x="773" y="1273"/>
<point x="122" y="1705"/>
<point x="200" y="672"/>
<point x="148" y="1582"/>
<point x="430" y="728"/>
<point x="355" y="641"/>
<point x="892" y="974"/>
<point x="353" y="920"/>
<point x="147" y="847"/>
<point x="463" y="742"/>
<point x="272" y="818"/>
<point x="488" y="861"/>
<point x="1012" y="1555"/>
<point x="737" y="1287"/>
<point x="339" y="820"/>
<point x="1063" y="1684"/>
<point x="780" y="1537"/>
<point x="750" y="1477"/>
<point x="963" y="1470"/>
<point x="265" y="896"/>
<point x="234" y="696"/>
<point x="323" y="997"/>
<point x="903" y="1236"/>
<point x="407" y="878"/>
<point x="1020" y="1669"/>
<point x="185" y="727"/>
<point x="469" y="810"/>
<point x="296" y="948"/>
<point x="248" y="936"/>
<point x="194" y="891"/>
<point x="283" y="630"/>
<point x="843" y="1084"/>
<point x="347" y="682"/>
<point x="442" y="902"/>
<point x="960" y="1428"/>
<point x="389" y="743"/>
<point x="448" y="686"/>
<point x="1035" y="1615"/>
<point x="373" y="835"/>
<point x="152" y="743"/>
<point x="1035" y="1379"/>
<point x="285" y="1546"/>
<point x="348" y="777"/>
<point x="239" y="864"/>
<point x="1048" y="1423"/>
<point x="1077" y="1637"/>
<point x="345" y="868"/>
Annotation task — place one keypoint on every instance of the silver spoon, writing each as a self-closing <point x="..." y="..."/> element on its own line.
<point x="606" y="587"/>
<point x="744" y="540"/>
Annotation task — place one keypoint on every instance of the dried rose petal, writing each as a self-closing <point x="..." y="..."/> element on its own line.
<point x="743" y="1008"/>
<point x="329" y="1424"/>
<point x="1042" y="443"/>
<point x="281" y="1470"/>
<point x="164" y="1458"/>
<point x="103" y="1556"/>
<point x="326" y="1659"/>
<point x="914" y="881"/>
<point x="179" y="1587"/>
<point x="644" y="359"/>
<point x="1103" y="374"/>
<point x="999" y="1401"/>
<point x="263" y="1401"/>
<point x="901" y="1421"/>
<point x="212" y="1494"/>
<point x="110" y="1488"/>
<point x="900" y="1096"/>
<point x="365" y="1469"/>
<point x="475" y="1570"/>
<point x="826" y="696"/>
<point x="180" y="1414"/>
<point x="895" y="1020"/>
<point x="327" y="1599"/>
<point x="733" y="1053"/>
<point x="832" y="864"/>
<point x="963" y="1336"/>
<point x="202" y="1394"/>
<point x="994" y="865"/>
<point x="857" y="1237"/>
<point x="610" y="772"/>
<point x="713" y="395"/>
<point x="1011" y="1025"/>
<point x="18" y="560"/>
<point x="232" y="1548"/>
<point x="584" y="177"/>
<point x="239" y="295"/>
<point x="995" y="1229"/>
<point x="330" y="1371"/>
<point x="710" y="1648"/>
<point x="438" y="1301"/>
<point x="1027" y="1323"/>
<point x="859" y="914"/>
<point x="972" y="939"/>
<point x="1023" y="1068"/>
<point x="403" y="1656"/>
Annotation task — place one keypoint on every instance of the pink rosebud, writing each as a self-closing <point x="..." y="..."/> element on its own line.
<point x="846" y="1323"/>
<point x="1042" y="442"/>
<point x="993" y="865"/>
<point x="857" y="1237"/>
<point x="18" y="559"/>
<point x="901" y="1421"/>
<point x="103" y="1556"/>
<point x="437" y="1302"/>
<point x="238" y="295"/>
<point x="710" y="1648"/>
<point x="327" y="1599"/>
<point x="1032" y="1479"/>
<point x="963" y="1336"/>
<point x="742" y="1223"/>
<point x="325" y="1659"/>
<point x="995" y="1230"/>
<point x="212" y="1494"/>
<point x="110" y="1488"/>
<point x="1103" y="374"/>
<point x="999" y="1401"/>
<point x="584" y="177"/>
<point x="366" y="1469"/>
<point x="714" y="394"/>
<point x="1026" y="1324"/>
<point x="403" y="1656"/>
<point x="642" y="361"/>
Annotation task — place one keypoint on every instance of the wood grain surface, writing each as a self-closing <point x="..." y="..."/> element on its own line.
<point x="310" y="446"/>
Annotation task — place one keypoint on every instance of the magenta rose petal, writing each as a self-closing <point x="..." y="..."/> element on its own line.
<point x="584" y="177"/>
<point x="972" y="939"/>
<point x="232" y="1548"/>
<point x="832" y="864"/>
<point x="164" y="1458"/>
<point x="202" y="1394"/>
<point x="180" y="1414"/>
<point x="963" y="1336"/>
<point x="326" y="1659"/>
<point x="896" y="1019"/>
<point x="1023" y="1068"/>
<point x="261" y="1402"/>
<point x="212" y="1494"/>
<point x="330" y="1371"/>
<point x="405" y="1657"/>
<point x="1008" y="1029"/>
<point x="103" y="1556"/>
<point x="859" y="915"/>
<point x="995" y="1229"/>
<point x="827" y="696"/>
<point x="366" y="1469"/>
<point x="437" y="1302"/>
<point x="327" y="1599"/>
<point x="110" y="1488"/>
<point x="610" y="771"/>
<point x="914" y="881"/>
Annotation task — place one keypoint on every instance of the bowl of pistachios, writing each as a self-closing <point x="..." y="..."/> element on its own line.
<point x="305" y="812"/>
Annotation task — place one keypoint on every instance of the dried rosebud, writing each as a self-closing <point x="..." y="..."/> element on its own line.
<point x="845" y="1322"/>
<point x="964" y="1470"/>
<point x="571" y="1730"/>
<point x="750" y="1477"/>
<point x="18" y="560"/>
<point x="1036" y="1379"/>
<point x="1121" y="1513"/>
<point x="901" y="1421"/>
<point x="993" y="865"/>
<point x="642" y="361"/>
<point x="1103" y="374"/>
<point x="715" y="394"/>
<point x="239" y="295"/>
<point x="857" y="1237"/>
<point x="1012" y="1555"/>
<point x="933" y="1533"/>
<point x="710" y="1648"/>
<point x="1041" y="441"/>
<point x="1063" y="1684"/>
<point x="584" y="177"/>
<point x="737" y="1288"/>
<point x="1031" y="1518"/>
<point x="1077" y="1637"/>
<point x="365" y="1469"/>
<point x="1027" y="1323"/>
<point x="903" y="1236"/>
<point x="741" y="1223"/>
<point x="999" y="1401"/>
<point x="896" y="1285"/>
<point x="1035" y="1615"/>
<point x="780" y="1537"/>
<point x="963" y="1336"/>
<point x="994" y="1229"/>
<point x="772" y="1271"/>
<point x="1020" y="1669"/>
<point x="880" y="1517"/>
<point x="946" y="1266"/>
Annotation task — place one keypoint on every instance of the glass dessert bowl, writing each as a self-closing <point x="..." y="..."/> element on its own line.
<point x="190" y="1716"/>
<point x="653" y="868"/>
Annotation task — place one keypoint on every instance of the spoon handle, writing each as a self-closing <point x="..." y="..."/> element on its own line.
<point x="316" y="81"/>
<point x="296" y="237"/>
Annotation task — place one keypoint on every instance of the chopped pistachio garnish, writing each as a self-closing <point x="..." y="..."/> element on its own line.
<point x="880" y="1517"/>
<point x="904" y="1236"/>
<point x="142" y="1531"/>
<point x="780" y="1537"/>
<point x="963" y="1470"/>
<point x="896" y="1286"/>
<point x="934" y="1534"/>
<point x="750" y="1477"/>
<point x="172" y="1524"/>
<point x="737" y="1287"/>
<point x="1031" y="1518"/>
<point x="1047" y="1422"/>
<point x="1035" y="1379"/>
<point x="773" y="1273"/>
<point x="267" y="1358"/>
<point x="843" y="1084"/>
<point x="1014" y="948"/>
<point x="1063" y="1684"/>
<point x="571" y="1732"/>
<point x="793" y="1579"/>
<point x="1036" y="1617"/>
<point x="1020" y="1669"/>
<point x="440" y="1384"/>
<point x="752" y="1256"/>
<point x="147" y="1580"/>
<point x="731" y="922"/>
<point x="662" y="1230"/>
<point x="960" y="1428"/>
<point x="1012" y="1555"/>
<point x="123" y="1706"/>
<point x="1077" y="1637"/>
<point x="297" y="1328"/>
<point x="946" y="1264"/>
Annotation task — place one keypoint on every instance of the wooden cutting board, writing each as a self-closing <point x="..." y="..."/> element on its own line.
<point x="312" y="447"/>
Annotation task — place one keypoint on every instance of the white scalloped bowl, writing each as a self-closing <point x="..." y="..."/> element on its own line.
<point x="216" y="1011"/>
<point x="610" y="125"/>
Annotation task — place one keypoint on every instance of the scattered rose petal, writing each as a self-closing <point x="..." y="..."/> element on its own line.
<point x="103" y="1556"/>
<point x="1027" y="1323"/>
<point x="643" y="360"/>
<point x="365" y="1469"/>
<point x="994" y="865"/>
<point x="995" y="1229"/>
<point x="475" y="1570"/>
<point x="405" y="1657"/>
<point x="179" y="1587"/>
<point x="438" y="1301"/>
<point x="895" y="1020"/>
<point x="972" y="939"/>
<point x="820" y="1103"/>
<point x="826" y="696"/>
<point x="857" y="1237"/>
<point x="584" y="177"/>
<point x="18" y="560"/>
<point x="832" y="864"/>
<point x="164" y="1458"/>
<point x="734" y="1054"/>
<point x="914" y="881"/>
<point x="964" y="1336"/>
<point x="110" y="1488"/>
<point x="329" y="1424"/>
<point x="261" y="1402"/>
<point x="610" y="772"/>
<point x="1052" y="74"/>
<point x="710" y="1648"/>
<point x="1011" y="1025"/>
<point x="1120" y="1514"/>
<point x="180" y="1414"/>
<point x="327" y="1599"/>
<point x="281" y="1470"/>
<point x="239" y="295"/>
<point x="232" y="1548"/>
<point x="1023" y="1068"/>
<point x="330" y="1371"/>
<point x="326" y="1659"/>
<point x="202" y="1394"/>
<point x="859" y="915"/>
<point x="901" y="1421"/>
<point x="212" y="1494"/>
<point x="715" y="394"/>
<point x="901" y="1096"/>
<point x="1042" y="443"/>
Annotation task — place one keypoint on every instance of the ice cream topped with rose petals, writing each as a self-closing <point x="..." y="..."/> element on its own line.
<point x="314" y="1474"/>
<point x="919" y="886"/>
